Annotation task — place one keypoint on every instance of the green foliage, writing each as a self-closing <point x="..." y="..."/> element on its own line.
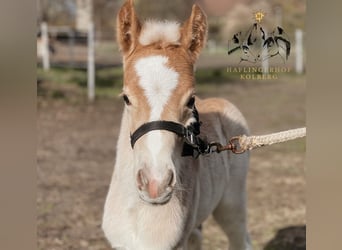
<point x="109" y="81"/>
<point x="104" y="77"/>
<point x="62" y="76"/>
<point x="215" y="75"/>
<point x="113" y="77"/>
<point x="164" y="10"/>
<point x="58" y="94"/>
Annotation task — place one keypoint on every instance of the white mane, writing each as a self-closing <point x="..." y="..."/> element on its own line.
<point x="159" y="31"/>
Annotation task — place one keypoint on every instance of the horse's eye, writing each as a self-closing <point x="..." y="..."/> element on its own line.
<point x="191" y="102"/>
<point x="125" y="97"/>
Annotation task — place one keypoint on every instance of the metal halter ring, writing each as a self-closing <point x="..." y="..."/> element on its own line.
<point x="233" y="145"/>
<point x="190" y="139"/>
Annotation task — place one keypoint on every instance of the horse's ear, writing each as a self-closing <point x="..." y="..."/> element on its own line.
<point x="194" y="32"/>
<point x="127" y="27"/>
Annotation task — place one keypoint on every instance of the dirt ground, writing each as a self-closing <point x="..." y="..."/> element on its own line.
<point x="76" y="153"/>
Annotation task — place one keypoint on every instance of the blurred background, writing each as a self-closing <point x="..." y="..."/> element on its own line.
<point x="79" y="78"/>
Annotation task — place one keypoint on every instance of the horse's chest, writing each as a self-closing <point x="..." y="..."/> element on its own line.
<point x="147" y="227"/>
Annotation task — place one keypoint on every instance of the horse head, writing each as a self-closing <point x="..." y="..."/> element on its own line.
<point x="158" y="59"/>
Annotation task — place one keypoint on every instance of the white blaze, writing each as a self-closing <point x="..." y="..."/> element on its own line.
<point x="158" y="82"/>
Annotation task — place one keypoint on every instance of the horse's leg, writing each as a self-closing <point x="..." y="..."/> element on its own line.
<point x="195" y="240"/>
<point x="231" y="211"/>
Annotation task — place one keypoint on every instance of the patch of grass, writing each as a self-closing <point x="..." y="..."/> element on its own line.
<point x="109" y="77"/>
<point x="58" y="94"/>
<point x="219" y="75"/>
<point x="104" y="78"/>
<point x="108" y="92"/>
<point x="108" y="81"/>
<point x="62" y="76"/>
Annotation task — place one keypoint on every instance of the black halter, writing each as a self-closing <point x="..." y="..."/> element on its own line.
<point x="193" y="145"/>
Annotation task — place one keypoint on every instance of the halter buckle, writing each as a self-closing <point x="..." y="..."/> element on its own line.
<point x="190" y="138"/>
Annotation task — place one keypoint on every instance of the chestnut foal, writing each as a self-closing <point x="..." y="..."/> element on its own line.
<point x="157" y="198"/>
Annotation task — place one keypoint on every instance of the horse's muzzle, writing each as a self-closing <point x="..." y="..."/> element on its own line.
<point x="154" y="191"/>
<point x="158" y="201"/>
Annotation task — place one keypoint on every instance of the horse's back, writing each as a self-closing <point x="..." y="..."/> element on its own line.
<point x="221" y="114"/>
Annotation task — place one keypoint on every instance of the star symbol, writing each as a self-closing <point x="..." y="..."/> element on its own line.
<point x="259" y="15"/>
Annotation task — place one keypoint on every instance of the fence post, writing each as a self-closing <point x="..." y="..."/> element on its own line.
<point x="45" y="46"/>
<point x="299" y="51"/>
<point x="91" y="62"/>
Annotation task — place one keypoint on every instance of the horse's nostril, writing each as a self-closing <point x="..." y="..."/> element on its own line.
<point x="142" y="180"/>
<point x="171" y="177"/>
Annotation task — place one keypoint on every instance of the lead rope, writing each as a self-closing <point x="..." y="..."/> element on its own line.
<point x="242" y="143"/>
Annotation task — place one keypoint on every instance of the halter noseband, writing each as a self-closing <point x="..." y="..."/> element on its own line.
<point x="193" y="145"/>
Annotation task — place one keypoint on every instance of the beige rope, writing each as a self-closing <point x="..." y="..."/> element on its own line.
<point x="250" y="142"/>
